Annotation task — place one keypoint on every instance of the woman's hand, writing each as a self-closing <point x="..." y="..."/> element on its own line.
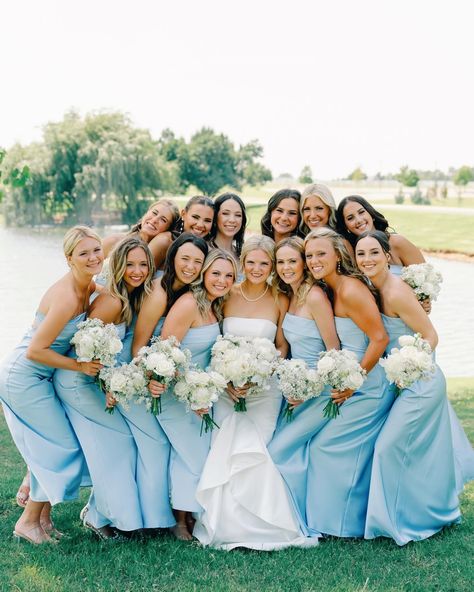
<point x="293" y="403"/>
<point x="110" y="401"/>
<point x="340" y="396"/>
<point x="237" y="393"/>
<point x="201" y="412"/>
<point x="426" y="305"/>
<point x="90" y="368"/>
<point x="156" y="388"/>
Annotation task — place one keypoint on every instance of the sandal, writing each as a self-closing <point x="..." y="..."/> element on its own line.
<point x="105" y="533"/>
<point x="31" y="538"/>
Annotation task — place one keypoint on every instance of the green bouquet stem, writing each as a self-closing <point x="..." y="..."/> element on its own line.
<point x="207" y="424"/>
<point x="288" y="413"/>
<point x="240" y="405"/>
<point x="331" y="409"/>
<point x="110" y="410"/>
<point x="156" y="405"/>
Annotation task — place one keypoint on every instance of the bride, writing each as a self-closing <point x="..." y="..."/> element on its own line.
<point x="244" y="498"/>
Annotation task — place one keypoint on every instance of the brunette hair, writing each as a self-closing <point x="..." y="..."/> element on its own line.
<point x="380" y="222"/>
<point x="239" y="237"/>
<point x="273" y="203"/>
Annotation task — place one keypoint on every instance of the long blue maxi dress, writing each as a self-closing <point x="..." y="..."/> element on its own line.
<point x="189" y="449"/>
<point x="289" y="447"/>
<point x="413" y="491"/>
<point x="37" y="421"/>
<point x="109" y="449"/>
<point x="341" y="454"/>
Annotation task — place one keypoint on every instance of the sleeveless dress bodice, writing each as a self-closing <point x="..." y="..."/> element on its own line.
<point x="396" y="269"/>
<point x="304" y="338"/>
<point x="239" y="326"/>
<point x="199" y="341"/>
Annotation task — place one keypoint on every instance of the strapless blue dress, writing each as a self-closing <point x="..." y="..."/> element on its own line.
<point x="413" y="490"/>
<point x="37" y="421"/>
<point x="341" y="454"/>
<point x="189" y="449"/>
<point x="289" y="447"/>
<point x="153" y="449"/>
<point x="109" y="449"/>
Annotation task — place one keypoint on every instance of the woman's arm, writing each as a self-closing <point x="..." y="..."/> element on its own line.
<point x="406" y="251"/>
<point x="153" y="308"/>
<point x="105" y="307"/>
<point x="405" y="304"/>
<point x="110" y="241"/>
<point x="180" y="318"/>
<point x="280" y="342"/>
<point x="321" y="311"/>
<point x="159" y="246"/>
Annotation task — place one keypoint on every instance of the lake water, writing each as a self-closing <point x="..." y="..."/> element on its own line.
<point x="31" y="260"/>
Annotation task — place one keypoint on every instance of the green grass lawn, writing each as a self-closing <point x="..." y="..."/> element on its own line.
<point x="81" y="563"/>
<point x="430" y="231"/>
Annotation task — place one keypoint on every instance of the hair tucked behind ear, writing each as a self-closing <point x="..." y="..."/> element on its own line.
<point x="296" y="243"/>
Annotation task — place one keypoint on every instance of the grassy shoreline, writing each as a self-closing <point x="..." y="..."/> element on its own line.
<point x="81" y="564"/>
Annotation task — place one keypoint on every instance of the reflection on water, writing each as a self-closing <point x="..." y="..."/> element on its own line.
<point x="30" y="261"/>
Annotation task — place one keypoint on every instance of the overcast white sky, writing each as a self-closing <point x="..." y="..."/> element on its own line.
<point x="330" y="83"/>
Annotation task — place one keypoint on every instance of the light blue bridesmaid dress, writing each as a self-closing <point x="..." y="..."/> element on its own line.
<point x="341" y="454"/>
<point x="189" y="449"/>
<point x="289" y="447"/>
<point x="413" y="490"/>
<point x="37" y="421"/>
<point x="109" y="449"/>
<point x="153" y="450"/>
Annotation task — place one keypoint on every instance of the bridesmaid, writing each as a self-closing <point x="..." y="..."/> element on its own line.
<point x="282" y="216"/>
<point x="414" y="447"/>
<point x="35" y="416"/>
<point x="105" y="438"/>
<point x="197" y="216"/>
<point x="317" y="208"/>
<point x="194" y="321"/>
<point x="309" y="328"/>
<point x="355" y="216"/>
<point x="341" y="454"/>
<point x="230" y="221"/>
<point x="154" y="228"/>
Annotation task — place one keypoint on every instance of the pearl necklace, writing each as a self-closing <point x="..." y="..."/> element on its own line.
<point x="253" y="299"/>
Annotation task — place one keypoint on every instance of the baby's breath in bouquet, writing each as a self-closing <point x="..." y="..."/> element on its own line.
<point x="298" y="382"/>
<point x="126" y="383"/>
<point x="424" y="280"/>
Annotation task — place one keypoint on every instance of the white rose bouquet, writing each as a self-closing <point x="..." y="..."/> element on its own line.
<point x="163" y="360"/>
<point x="95" y="340"/>
<point x="126" y="383"/>
<point x="340" y="370"/>
<point x="200" y="390"/>
<point x="413" y="361"/>
<point x="424" y="280"/>
<point x="242" y="361"/>
<point x="298" y="382"/>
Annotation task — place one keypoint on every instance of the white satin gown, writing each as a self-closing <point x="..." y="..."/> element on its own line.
<point x="244" y="498"/>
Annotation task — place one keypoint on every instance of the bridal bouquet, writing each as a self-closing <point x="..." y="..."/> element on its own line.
<point x="200" y="390"/>
<point x="340" y="370"/>
<point x="298" y="382"/>
<point x="424" y="280"/>
<point x="244" y="360"/>
<point x="413" y="361"/>
<point x="163" y="360"/>
<point x="126" y="383"/>
<point x="96" y="341"/>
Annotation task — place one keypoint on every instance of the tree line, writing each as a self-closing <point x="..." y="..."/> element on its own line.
<point x="87" y="166"/>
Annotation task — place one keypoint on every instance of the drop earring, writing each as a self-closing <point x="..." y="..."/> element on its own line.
<point x="338" y="266"/>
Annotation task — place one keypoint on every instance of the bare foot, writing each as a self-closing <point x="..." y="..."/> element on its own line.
<point x="181" y="532"/>
<point x="23" y="493"/>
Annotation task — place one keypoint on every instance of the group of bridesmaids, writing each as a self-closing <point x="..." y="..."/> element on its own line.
<point x="318" y="277"/>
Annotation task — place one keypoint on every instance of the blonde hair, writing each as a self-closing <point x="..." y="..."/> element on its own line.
<point x="325" y="195"/>
<point x="296" y="243"/>
<point x="131" y="301"/>
<point x="169" y="203"/>
<point x="199" y="291"/>
<point x="74" y="236"/>
<point x="265" y="244"/>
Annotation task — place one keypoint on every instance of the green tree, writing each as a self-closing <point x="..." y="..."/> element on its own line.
<point x="357" y="175"/>
<point x="306" y="175"/>
<point x="15" y="177"/>
<point x="408" y="177"/>
<point x="249" y="169"/>
<point x="462" y="177"/>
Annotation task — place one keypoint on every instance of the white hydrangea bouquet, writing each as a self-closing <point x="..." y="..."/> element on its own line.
<point x="413" y="361"/>
<point x="126" y="383"/>
<point x="298" y="382"/>
<point x="244" y="360"/>
<point x="340" y="370"/>
<point x="424" y="279"/>
<point x="94" y="340"/>
<point x="163" y="360"/>
<point x="200" y="390"/>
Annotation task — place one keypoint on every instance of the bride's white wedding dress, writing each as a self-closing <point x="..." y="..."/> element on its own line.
<point x="244" y="498"/>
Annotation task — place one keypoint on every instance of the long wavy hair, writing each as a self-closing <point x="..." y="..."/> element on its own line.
<point x="380" y="222"/>
<point x="169" y="275"/>
<point x="116" y="285"/>
<point x="273" y="203"/>
<point x="200" y="200"/>
<point x="199" y="291"/>
<point x="325" y="195"/>
<point x="169" y="203"/>
<point x="297" y="244"/>
<point x="239" y="237"/>
<point x="347" y="266"/>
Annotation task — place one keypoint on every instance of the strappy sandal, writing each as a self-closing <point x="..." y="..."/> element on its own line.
<point x="105" y="533"/>
<point x="25" y="536"/>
